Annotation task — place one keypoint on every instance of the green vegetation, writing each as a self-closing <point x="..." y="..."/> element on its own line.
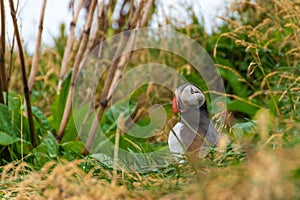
<point x="257" y="52"/>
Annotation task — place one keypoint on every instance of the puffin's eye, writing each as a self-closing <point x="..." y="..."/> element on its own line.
<point x="194" y="91"/>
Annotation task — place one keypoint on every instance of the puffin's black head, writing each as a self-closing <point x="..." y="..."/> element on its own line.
<point x="188" y="96"/>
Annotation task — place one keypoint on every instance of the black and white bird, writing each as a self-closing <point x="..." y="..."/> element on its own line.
<point x="194" y="133"/>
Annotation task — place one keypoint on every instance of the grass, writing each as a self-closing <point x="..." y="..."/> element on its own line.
<point x="257" y="53"/>
<point x="263" y="174"/>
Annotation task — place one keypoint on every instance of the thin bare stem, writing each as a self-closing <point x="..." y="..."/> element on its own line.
<point x="121" y="65"/>
<point x="102" y="27"/>
<point x="104" y="100"/>
<point x="34" y="66"/>
<point x="94" y="32"/>
<point x="136" y="15"/>
<point x="234" y="97"/>
<point x="23" y="70"/>
<point x="114" y="74"/>
<point x="3" y="84"/>
<point x="68" y="49"/>
<point x="142" y="14"/>
<point x="76" y="65"/>
<point x="10" y="63"/>
<point x="146" y="12"/>
<point x="116" y="152"/>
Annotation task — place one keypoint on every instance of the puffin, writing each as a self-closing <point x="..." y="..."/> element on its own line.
<point x="194" y="134"/>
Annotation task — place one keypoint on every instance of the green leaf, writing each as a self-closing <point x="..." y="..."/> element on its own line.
<point x="49" y="146"/>
<point x="118" y="108"/>
<point x="14" y="102"/>
<point x="39" y="115"/>
<point x="6" y="121"/>
<point x="46" y="151"/>
<point x="58" y="107"/>
<point x="247" y="127"/>
<point x="73" y="149"/>
<point x="6" y="139"/>
<point x="104" y="159"/>
<point x="71" y="131"/>
<point x="242" y="107"/>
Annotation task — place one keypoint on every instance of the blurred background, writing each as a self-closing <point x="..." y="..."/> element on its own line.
<point x="59" y="12"/>
<point x="255" y="45"/>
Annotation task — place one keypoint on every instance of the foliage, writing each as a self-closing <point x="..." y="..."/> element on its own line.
<point x="257" y="53"/>
<point x="265" y="174"/>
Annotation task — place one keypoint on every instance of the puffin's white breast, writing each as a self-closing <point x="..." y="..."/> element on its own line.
<point x="176" y="146"/>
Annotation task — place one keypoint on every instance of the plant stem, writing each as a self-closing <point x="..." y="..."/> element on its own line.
<point x="99" y="25"/>
<point x="36" y="55"/>
<point x="23" y="70"/>
<point x="115" y="71"/>
<point x="146" y="13"/>
<point x="116" y="154"/>
<point x="3" y="85"/>
<point x="10" y="63"/>
<point x="69" y="46"/>
<point x="76" y="66"/>
<point x="101" y="30"/>
<point x="125" y="58"/>
<point x="104" y="100"/>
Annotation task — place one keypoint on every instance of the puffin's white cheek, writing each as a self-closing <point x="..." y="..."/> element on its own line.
<point x="192" y="101"/>
<point x="200" y="99"/>
<point x="196" y="99"/>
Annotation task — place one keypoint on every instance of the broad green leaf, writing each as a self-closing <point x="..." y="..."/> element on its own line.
<point x="46" y="151"/>
<point x="40" y="159"/>
<point x="6" y="121"/>
<point x="104" y="159"/>
<point x="48" y="146"/>
<point x="72" y="149"/>
<point x="242" y="107"/>
<point x="39" y="115"/>
<point x="14" y="101"/>
<point x="6" y="139"/>
<point x="247" y="127"/>
<point x="57" y="108"/>
<point x="241" y="129"/>
<point x="118" y="108"/>
<point x="71" y="131"/>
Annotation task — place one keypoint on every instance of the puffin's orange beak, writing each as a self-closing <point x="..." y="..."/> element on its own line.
<point x="175" y="108"/>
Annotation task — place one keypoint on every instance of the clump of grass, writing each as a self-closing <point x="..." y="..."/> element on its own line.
<point x="62" y="181"/>
<point x="266" y="174"/>
<point x="84" y="179"/>
<point x="264" y="70"/>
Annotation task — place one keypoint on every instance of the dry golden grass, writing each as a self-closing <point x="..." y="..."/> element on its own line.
<point x="267" y="174"/>
<point x="61" y="181"/>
